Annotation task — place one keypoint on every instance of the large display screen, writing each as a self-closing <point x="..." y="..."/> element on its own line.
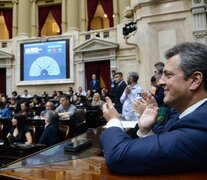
<point x="45" y="60"/>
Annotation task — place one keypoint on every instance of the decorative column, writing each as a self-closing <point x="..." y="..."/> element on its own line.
<point x="199" y="20"/>
<point x="73" y="15"/>
<point x="83" y="19"/>
<point x="33" y="16"/>
<point x="116" y="12"/>
<point x="23" y="17"/>
<point x="81" y="70"/>
<point x="64" y="29"/>
<point x="122" y="4"/>
<point x="14" y="23"/>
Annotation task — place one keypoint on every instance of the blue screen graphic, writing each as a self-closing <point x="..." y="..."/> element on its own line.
<point x="45" y="60"/>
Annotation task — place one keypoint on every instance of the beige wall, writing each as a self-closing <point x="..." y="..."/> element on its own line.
<point x="161" y="24"/>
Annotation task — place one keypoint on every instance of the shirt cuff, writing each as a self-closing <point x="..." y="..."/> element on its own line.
<point x="114" y="123"/>
<point x="140" y="135"/>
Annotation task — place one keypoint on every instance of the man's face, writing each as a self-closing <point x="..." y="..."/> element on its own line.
<point x="23" y="107"/>
<point x="64" y="102"/>
<point x="129" y="80"/>
<point x="80" y="89"/>
<point x="176" y="88"/>
<point x="13" y="101"/>
<point x="117" y="78"/>
<point x="48" y="106"/>
<point x="155" y="73"/>
<point x="94" y="77"/>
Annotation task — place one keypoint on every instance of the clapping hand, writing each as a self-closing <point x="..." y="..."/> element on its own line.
<point x="139" y="105"/>
<point x="109" y="112"/>
<point x="148" y="118"/>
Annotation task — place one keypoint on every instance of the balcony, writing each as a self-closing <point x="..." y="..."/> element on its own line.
<point x="5" y="43"/>
<point x="107" y="34"/>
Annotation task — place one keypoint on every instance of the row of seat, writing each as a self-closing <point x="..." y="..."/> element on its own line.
<point x="36" y="132"/>
<point x="84" y="118"/>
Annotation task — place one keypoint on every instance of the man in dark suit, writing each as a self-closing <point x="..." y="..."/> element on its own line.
<point x="180" y="145"/>
<point x="94" y="84"/>
<point x="118" y="90"/>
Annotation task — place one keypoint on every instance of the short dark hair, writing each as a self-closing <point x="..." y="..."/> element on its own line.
<point x="193" y="56"/>
<point x="66" y="96"/>
<point x="159" y="67"/>
<point x="153" y="79"/>
<point x="119" y="73"/>
<point x="21" y="120"/>
<point x="14" y="93"/>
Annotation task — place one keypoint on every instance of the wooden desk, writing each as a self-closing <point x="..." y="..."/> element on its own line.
<point x="56" y="153"/>
<point x="10" y="154"/>
<point x="55" y="164"/>
<point x="91" y="168"/>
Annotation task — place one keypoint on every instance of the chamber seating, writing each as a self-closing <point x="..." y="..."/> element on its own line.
<point x="32" y="129"/>
<point x="1" y="130"/>
<point x="64" y="130"/>
<point x="93" y="116"/>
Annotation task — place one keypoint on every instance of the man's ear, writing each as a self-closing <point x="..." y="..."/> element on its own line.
<point x="196" y="80"/>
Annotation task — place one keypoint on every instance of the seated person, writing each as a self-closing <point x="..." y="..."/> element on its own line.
<point x="77" y="100"/>
<point x="25" y="109"/>
<point x="4" y="111"/>
<point x="20" y="131"/>
<point x="65" y="110"/>
<point x="51" y="135"/>
<point x="104" y="93"/>
<point x="5" y="100"/>
<point x="14" y="106"/>
<point x="96" y="101"/>
<point x="26" y="95"/>
<point x="88" y="97"/>
<point x="15" y="95"/>
<point x="81" y="92"/>
<point x="36" y="102"/>
<point x="48" y="106"/>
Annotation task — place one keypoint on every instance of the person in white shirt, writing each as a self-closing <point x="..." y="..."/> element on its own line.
<point x="65" y="110"/>
<point x="26" y="94"/>
<point x="81" y="92"/>
<point x="132" y="91"/>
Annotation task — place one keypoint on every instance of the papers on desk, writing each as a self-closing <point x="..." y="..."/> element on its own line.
<point x="129" y="124"/>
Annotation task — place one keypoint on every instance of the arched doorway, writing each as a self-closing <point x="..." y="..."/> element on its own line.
<point x="3" y="80"/>
<point x="102" y="71"/>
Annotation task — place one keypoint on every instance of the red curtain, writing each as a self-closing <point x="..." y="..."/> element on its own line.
<point x="3" y="80"/>
<point x="43" y="12"/>
<point x="56" y="12"/>
<point x="108" y="9"/>
<point x="91" y="5"/>
<point x="7" y="13"/>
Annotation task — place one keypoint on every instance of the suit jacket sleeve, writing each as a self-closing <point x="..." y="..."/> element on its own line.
<point x="123" y="97"/>
<point x="174" y="151"/>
